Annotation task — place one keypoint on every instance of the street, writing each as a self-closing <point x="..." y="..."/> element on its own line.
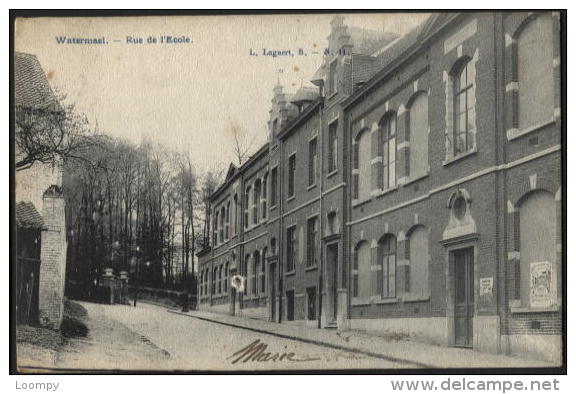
<point x="151" y="337"/>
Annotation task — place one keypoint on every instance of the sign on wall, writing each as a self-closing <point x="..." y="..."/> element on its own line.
<point x="237" y="282"/>
<point x="486" y="285"/>
<point x="542" y="284"/>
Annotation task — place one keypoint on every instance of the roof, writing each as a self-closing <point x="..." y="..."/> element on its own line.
<point x="366" y="41"/>
<point x="28" y="217"/>
<point x="31" y="87"/>
<point x="305" y="93"/>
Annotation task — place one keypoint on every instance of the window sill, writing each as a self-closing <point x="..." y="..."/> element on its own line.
<point x="273" y="207"/>
<point x="534" y="310"/>
<point x="417" y="178"/>
<point x="379" y="192"/>
<point x="459" y="157"/>
<point x="290" y="273"/>
<point x="360" y="302"/>
<point x="389" y="300"/>
<point x="356" y="203"/>
<point x="512" y="134"/>
<point x="332" y="173"/>
<point x="311" y="268"/>
<point x="290" y="198"/>
<point x="310" y="187"/>
<point x="409" y="297"/>
<point x="332" y="95"/>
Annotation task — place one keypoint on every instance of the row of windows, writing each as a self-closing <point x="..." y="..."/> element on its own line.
<point x="313" y="159"/>
<point x="220" y="280"/>
<point x="379" y="277"/>
<point x="375" y="150"/>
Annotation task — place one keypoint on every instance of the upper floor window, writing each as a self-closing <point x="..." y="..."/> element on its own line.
<point x="388" y="135"/>
<point x="418" y="130"/>
<point x="464" y="108"/>
<point x="227" y="231"/>
<point x="215" y="228"/>
<point x="332" y="146"/>
<point x="264" y="197"/>
<point x="312" y="161"/>
<point x="256" y="201"/>
<point x="332" y="77"/>
<point x="247" y="208"/>
<point x="363" y="154"/>
<point x="273" y="186"/>
<point x="291" y="174"/>
<point x="535" y="72"/>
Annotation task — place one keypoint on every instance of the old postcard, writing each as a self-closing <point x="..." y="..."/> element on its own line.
<point x="288" y="192"/>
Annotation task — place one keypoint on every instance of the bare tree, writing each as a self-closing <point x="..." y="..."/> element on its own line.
<point x="242" y="144"/>
<point x="47" y="135"/>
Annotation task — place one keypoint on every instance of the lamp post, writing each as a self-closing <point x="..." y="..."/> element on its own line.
<point x="137" y="276"/>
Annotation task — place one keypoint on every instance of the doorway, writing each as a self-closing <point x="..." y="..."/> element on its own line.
<point x="272" y="287"/>
<point x="332" y="280"/>
<point x="463" y="297"/>
<point x="290" y="305"/>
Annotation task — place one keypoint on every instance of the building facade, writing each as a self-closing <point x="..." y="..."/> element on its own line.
<point x="40" y="210"/>
<point x="418" y="190"/>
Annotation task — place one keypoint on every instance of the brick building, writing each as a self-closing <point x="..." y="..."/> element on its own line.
<point x="416" y="191"/>
<point x="40" y="211"/>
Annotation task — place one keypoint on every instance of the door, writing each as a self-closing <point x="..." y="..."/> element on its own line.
<point x="290" y="305"/>
<point x="233" y="301"/>
<point x="464" y="296"/>
<point x="332" y="275"/>
<point x="273" y="292"/>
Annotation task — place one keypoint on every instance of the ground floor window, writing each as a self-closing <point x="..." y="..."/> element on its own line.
<point x="311" y="301"/>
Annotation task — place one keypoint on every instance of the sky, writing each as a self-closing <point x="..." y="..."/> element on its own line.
<point x="185" y="96"/>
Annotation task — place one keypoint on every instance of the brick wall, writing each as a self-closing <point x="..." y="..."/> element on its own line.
<point x="53" y="260"/>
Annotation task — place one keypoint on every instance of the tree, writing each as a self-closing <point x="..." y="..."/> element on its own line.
<point x="242" y="144"/>
<point x="50" y="134"/>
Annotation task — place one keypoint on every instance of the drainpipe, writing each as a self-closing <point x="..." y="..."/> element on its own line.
<point x="320" y="214"/>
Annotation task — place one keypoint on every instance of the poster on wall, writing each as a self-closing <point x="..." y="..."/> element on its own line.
<point x="542" y="284"/>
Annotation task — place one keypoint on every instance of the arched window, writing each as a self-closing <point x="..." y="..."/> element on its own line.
<point x="361" y="271"/>
<point x="535" y="72"/>
<point x="255" y="272"/>
<point x="247" y="204"/>
<point x="256" y="200"/>
<point x="386" y="273"/>
<point x="215" y="228"/>
<point x="363" y="165"/>
<point x="537" y="244"/>
<point x="418" y="130"/>
<point x="227" y="232"/>
<point x="247" y="272"/>
<point x="226" y="274"/>
<point x="222" y="224"/>
<point x="464" y="102"/>
<point x="201" y="283"/>
<point x="219" y="279"/>
<point x="417" y="248"/>
<point x="236" y="224"/>
<point x="263" y="272"/>
<point x="264" y="198"/>
<point x="388" y="139"/>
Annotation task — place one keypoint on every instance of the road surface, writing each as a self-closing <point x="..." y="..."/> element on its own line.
<point x="151" y="337"/>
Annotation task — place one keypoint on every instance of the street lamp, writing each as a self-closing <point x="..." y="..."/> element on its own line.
<point x="137" y="276"/>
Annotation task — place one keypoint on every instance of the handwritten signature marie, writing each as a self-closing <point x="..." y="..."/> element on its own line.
<point x="256" y="351"/>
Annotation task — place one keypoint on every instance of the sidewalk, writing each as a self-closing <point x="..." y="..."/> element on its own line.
<point x="412" y="354"/>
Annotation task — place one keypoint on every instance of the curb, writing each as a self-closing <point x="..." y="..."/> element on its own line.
<point x="313" y="342"/>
